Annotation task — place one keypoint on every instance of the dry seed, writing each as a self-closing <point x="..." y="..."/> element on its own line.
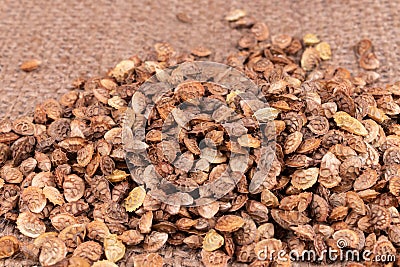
<point x="30" y="65"/>
<point x="324" y="50"/>
<point x="310" y="39"/>
<point x="8" y="246"/>
<point x="212" y="241"/>
<point x="235" y="15"/>
<point x="114" y="249"/>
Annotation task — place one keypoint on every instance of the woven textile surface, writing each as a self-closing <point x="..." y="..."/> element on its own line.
<point x="85" y="38"/>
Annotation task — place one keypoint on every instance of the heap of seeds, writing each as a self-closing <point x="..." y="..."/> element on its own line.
<point x="335" y="175"/>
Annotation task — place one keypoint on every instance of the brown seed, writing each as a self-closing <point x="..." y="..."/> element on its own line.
<point x="53" y="109"/>
<point x="303" y="179"/>
<point x="346" y="238"/>
<point x="329" y="171"/>
<point x="247" y="234"/>
<point x="261" y="31"/>
<point x="30" y="65"/>
<point x="380" y="217"/>
<point x="146" y="222"/>
<point x="249" y="141"/>
<point x="148" y="259"/>
<point x="369" y="61"/>
<point x="97" y="230"/>
<point x="53" y="195"/>
<point x="34" y="198"/>
<point x="84" y="155"/>
<point x="247" y="41"/>
<point x="73" y="235"/>
<point x="30" y="225"/>
<point x="89" y="250"/>
<point x="366" y="180"/>
<point x="310" y="59"/>
<point x="304" y="232"/>
<point x="53" y="250"/>
<point x="190" y="90"/>
<point x="281" y="40"/>
<point x="269" y="199"/>
<point x="318" y="125"/>
<point x="9" y="245"/>
<point x="122" y="70"/>
<point x="131" y="237"/>
<point x="214" y="259"/>
<point x="63" y="220"/>
<point x="192" y="146"/>
<point x="116" y="102"/>
<point x="155" y="241"/>
<point x="44" y="162"/>
<point x="320" y="208"/>
<point x="355" y="202"/>
<point x="184" y="17"/>
<point x="28" y="166"/>
<point x="229" y="223"/>
<point x="24" y="126"/>
<point x="363" y="46"/>
<point x="74" y="187"/>
<point x="208" y="211"/>
<point x="293" y="141"/>
<point x="394" y="185"/>
<point x="11" y="175"/>
<point x="8" y="137"/>
<point x="201" y="51"/>
<point x="117" y="176"/>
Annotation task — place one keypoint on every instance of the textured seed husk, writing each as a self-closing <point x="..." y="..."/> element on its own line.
<point x="114" y="249"/>
<point x="148" y="259"/>
<point x="30" y="225"/>
<point x="214" y="259"/>
<point x="9" y="245"/>
<point x="304" y="179"/>
<point x="35" y="199"/>
<point x="53" y="250"/>
<point x="350" y="124"/>
<point x="229" y="223"/>
<point x="212" y="241"/>
<point x="53" y="195"/>
<point x="135" y="199"/>
<point x="117" y="176"/>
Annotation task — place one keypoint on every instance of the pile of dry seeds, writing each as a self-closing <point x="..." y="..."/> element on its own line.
<point x="333" y="183"/>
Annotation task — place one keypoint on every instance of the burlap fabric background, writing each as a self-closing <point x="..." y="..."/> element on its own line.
<point x="85" y="38"/>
